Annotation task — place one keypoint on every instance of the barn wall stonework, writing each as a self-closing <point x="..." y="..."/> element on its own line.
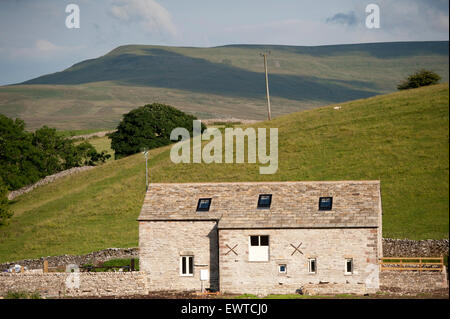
<point x="162" y="243"/>
<point x="330" y="247"/>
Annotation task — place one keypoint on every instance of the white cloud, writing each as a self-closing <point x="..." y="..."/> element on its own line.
<point x="42" y="48"/>
<point x="47" y="46"/>
<point x="296" y="32"/>
<point x="414" y="19"/>
<point x="439" y="20"/>
<point x="152" y="16"/>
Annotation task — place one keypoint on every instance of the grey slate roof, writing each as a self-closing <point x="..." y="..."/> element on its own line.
<point x="294" y="204"/>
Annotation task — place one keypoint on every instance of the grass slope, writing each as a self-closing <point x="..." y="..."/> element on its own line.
<point x="216" y="82"/>
<point x="401" y="139"/>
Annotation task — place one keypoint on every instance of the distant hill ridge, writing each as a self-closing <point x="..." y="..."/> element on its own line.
<point x="196" y="69"/>
<point x="218" y="82"/>
<point x="380" y="50"/>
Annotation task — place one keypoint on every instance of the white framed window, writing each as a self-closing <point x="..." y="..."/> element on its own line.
<point x="312" y="265"/>
<point x="187" y="265"/>
<point x="282" y="268"/>
<point x="258" y="248"/>
<point x="349" y="266"/>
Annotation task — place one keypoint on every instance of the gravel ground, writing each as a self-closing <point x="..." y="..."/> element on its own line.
<point x="438" y="294"/>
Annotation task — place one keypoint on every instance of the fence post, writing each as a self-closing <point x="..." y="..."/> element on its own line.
<point x="132" y="264"/>
<point x="45" y="265"/>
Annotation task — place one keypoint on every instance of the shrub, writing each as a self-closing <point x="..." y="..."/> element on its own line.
<point x="148" y="127"/>
<point x="418" y="79"/>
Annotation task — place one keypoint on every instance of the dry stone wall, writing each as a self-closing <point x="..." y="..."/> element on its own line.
<point x="415" y="248"/>
<point x="410" y="282"/>
<point x="47" y="180"/>
<point x="88" y="136"/>
<point x="64" y="260"/>
<point x="61" y="285"/>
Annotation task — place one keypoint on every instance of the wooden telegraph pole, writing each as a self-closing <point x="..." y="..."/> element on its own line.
<point x="267" y="84"/>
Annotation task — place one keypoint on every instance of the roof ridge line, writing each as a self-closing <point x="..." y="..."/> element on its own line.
<point x="273" y="182"/>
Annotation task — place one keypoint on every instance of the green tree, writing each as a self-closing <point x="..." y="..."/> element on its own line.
<point x="19" y="159"/>
<point x="148" y="127"/>
<point x="418" y="79"/>
<point x="86" y="154"/>
<point x="27" y="157"/>
<point x="5" y="211"/>
<point x="50" y="147"/>
<point x="58" y="153"/>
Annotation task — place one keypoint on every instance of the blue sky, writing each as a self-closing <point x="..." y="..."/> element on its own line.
<point x="34" y="39"/>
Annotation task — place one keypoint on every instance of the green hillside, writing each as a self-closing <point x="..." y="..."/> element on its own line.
<point x="216" y="82"/>
<point x="401" y="139"/>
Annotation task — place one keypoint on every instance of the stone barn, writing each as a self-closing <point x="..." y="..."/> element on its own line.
<point x="261" y="238"/>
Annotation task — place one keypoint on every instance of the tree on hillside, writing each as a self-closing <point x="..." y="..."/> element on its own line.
<point x="148" y="127"/>
<point x="26" y="157"/>
<point x="418" y="79"/>
<point x="5" y="211"/>
<point x="50" y="147"/>
<point x="86" y="154"/>
<point x="58" y="153"/>
<point x="19" y="159"/>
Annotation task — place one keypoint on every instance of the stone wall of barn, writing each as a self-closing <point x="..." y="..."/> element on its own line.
<point x="162" y="243"/>
<point x="330" y="247"/>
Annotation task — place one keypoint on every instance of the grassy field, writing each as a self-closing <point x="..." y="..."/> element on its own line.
<point x="101" y="144"/>
<point x="99" y="106"/>
<point x="216" y="82"/>
<point x="400" y="139"/>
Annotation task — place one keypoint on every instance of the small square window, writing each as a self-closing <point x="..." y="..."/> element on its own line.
<point x="312" y="265"/>
<point x="254" y="240"/>
<point x="282" y="269"/>
<point x="349" y="266"/>
<point x="264" y="201"/>
<point x="203" y="204"/>
<point x="325" y="203"/>
<point x="264" y="240"/>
